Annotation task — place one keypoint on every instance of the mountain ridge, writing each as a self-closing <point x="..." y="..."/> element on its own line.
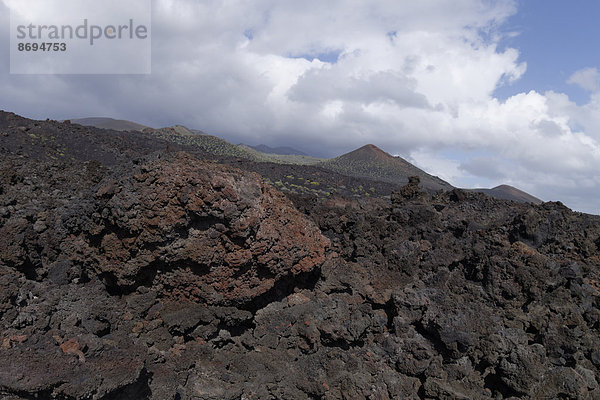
<point x="372" y="158"/>
<point x="368" y="161"/>
<point x="508" y="192"/>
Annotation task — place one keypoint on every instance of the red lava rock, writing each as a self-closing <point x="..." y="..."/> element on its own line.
<point x="231" y="240"/>
<point x="71" y="346"/>
<point x="8" y="342"/>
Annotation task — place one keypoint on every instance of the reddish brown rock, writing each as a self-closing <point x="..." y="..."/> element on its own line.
<point x="205" y="232"/>
<point x="71" y="346"/>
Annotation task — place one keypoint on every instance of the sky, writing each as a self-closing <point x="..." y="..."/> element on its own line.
<point x="478" y="92"/>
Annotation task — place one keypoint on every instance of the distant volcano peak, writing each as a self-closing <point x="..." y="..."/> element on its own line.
<point x="370" y="151"/>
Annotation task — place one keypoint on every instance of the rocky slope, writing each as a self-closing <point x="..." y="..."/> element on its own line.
<point x="159" y="275"/>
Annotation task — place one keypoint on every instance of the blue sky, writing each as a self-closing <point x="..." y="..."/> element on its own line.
<point x="555" y="38"/>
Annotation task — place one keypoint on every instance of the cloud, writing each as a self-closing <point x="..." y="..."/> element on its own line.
<point x="487" y="167"/>
<point x="416" y="78"/>
<point x="449" y="168"/>
<point x="587" y="78"/>
<point x="325" y="85"/>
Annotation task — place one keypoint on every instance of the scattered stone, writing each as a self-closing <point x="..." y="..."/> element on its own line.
<point x="8" y="342"/>
<point x="71" y="346"/>
<point x="39" y="226"/>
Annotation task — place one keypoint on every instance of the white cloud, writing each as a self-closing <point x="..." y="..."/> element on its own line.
<point x="449" y="169"/>
<point x="416" y="78"/>
<point x="587" y="78"/>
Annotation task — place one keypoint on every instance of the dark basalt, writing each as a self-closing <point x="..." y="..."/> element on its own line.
<point x="169" y="277"/>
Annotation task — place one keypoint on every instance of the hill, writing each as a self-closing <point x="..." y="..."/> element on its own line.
<point x="109" y="123"/>
<point x="371" y="162"/>
<point x="53" y="141"/>
<point x="207" y="143"/>
<point x="295" y="174"/>
<point x="216" y="146"/>
<point x="507" y="192"/>
<point x="294" y="159"/>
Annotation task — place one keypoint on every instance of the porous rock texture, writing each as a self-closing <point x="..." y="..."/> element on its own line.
<point x="217" y="236"/>
<point x="173" y="232"/>
<point x="170" y="277"/>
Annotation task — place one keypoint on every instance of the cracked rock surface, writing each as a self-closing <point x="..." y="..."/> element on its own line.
<point x="170" y="277"/>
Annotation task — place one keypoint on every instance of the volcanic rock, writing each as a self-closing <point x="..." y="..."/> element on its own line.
<point x="132" y="275"/>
